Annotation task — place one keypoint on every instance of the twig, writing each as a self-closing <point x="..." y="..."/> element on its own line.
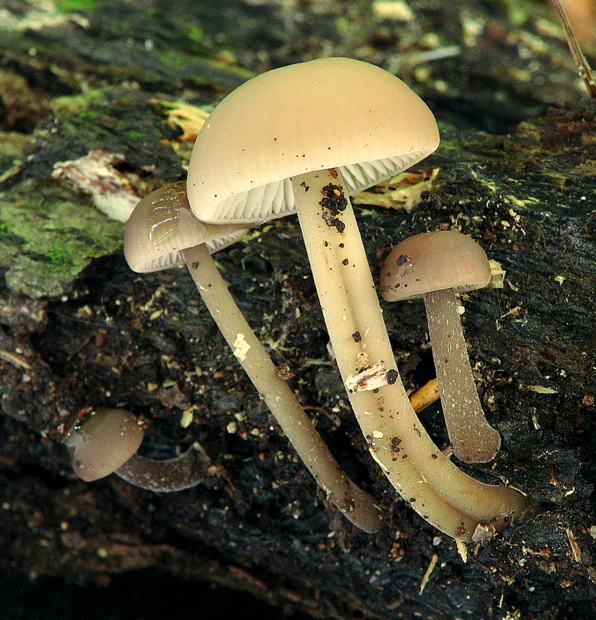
<point x="583" y="66"/>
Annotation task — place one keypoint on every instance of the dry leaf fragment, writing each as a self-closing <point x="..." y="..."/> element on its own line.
<point x="403" y="191"/>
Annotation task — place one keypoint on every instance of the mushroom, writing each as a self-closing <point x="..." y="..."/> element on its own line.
<point x="434" y="266"/>
<point x="105" y="441"/>
<point x="301" y="138"/>
<point x="162" y="232"/>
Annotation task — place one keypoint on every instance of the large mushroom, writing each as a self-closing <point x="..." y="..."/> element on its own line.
<point x="435" y="266"/>
<point x="162" y="232"/>
<point x="302" y="138"/>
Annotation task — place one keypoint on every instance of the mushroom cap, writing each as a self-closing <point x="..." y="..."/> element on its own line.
<point x="103" y="442"/>
<point x="162" y="225"/>
<point x="434" y="261"/>
<point x="327" y="113"/>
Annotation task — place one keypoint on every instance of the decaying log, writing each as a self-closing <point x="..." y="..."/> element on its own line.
<point x="79" y="329"/>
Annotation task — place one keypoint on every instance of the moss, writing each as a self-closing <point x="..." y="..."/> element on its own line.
<point x="80" y="102"/>
<point x="59" y="258"/>
<point x="195" y="34"/>
<point x="91" y="115"/>
<point x="173" y="58"/>
<point x="521" y="12"/>
<point x="46" y="240"/>
<point x="75" y="6"/>
<point x="135" y="135"/>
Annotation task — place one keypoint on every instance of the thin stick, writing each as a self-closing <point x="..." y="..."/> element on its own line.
<point x="583" y="66"/>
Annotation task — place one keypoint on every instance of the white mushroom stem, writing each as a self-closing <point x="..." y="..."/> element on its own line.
<point x="353" y="502"/>
<point x="167" y="475"/>
<point x="446" y="497"/>
<point x="472" y="437"/>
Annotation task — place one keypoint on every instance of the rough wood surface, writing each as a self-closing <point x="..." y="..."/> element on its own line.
<point x="79" y="329"/>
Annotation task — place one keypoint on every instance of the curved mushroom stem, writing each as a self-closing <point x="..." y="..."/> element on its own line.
<point x="472" y="437"/>
<point x="165" y="476"/>
<point x="441" y="493"/>
<point x="353" y="502"/>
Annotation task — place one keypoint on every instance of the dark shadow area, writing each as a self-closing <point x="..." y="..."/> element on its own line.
<point x="139" y="595"/>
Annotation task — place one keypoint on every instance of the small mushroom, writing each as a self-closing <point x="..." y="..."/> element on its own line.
<point x="162" y="232"/>
<point x="105" y="441"/>
<point x="434" y="266"/>
<point x="301" y="139"/>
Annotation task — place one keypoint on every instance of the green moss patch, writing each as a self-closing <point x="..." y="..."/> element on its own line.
<point x="46" y="240"/>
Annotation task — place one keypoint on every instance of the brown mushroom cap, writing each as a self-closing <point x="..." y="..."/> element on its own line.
<point x="103" y="442"/>
<point x="327" y="113"/>
<point x="434" y="261"/>
<point x="160" y="227"/>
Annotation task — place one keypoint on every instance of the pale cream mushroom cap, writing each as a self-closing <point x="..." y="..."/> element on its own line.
<point x="162" y="225"/>
<point x="327" y="113"/>
<point x="434" y="261"/>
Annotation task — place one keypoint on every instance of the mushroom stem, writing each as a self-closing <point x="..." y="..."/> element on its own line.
<point x="472" y="437"/>
<point x="165" y="476"/>
<point x="355" y="504"/>
<point x="441" y="493"/>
